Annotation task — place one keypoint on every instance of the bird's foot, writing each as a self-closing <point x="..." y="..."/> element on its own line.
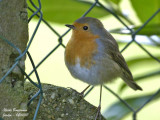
<point x="82" y="93"/>
<point x="98" y="115"/>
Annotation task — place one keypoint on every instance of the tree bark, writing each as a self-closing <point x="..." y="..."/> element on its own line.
<point x="13" y="27"/>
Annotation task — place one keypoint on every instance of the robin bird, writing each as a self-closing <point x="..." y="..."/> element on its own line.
<point x="92" y="55"/>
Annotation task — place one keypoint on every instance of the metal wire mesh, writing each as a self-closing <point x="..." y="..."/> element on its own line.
<point x="39" y="14"/>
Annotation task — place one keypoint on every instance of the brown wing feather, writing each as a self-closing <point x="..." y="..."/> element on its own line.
<point x="113" y="51"/>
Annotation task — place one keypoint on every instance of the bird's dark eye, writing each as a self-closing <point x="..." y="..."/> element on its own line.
<point x="85" y="28"/>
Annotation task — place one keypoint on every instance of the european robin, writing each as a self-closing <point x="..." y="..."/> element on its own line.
<point x="92" y="54"/>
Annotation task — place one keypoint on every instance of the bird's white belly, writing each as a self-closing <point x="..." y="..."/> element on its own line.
<point x="94" y="75"/>
<point x="85" y="74"/>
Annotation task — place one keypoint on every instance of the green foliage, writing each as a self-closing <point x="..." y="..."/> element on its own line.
<point x="67" y="11"/>
<point x="145" y="9"/>
<point x="116" y="1"/>
<point x="137" y="60"/>
<point x="118" y="110"/>
<point x="153" y="29"/>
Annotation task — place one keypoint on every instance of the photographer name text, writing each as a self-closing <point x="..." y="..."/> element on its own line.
<point x="8" y="112"/>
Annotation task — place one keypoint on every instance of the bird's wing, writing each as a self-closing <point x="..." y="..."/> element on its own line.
<point x="119" y="59"/>
<point x="111" y="48"/>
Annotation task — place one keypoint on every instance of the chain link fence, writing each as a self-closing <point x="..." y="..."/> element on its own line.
<point x="39" y="14"/>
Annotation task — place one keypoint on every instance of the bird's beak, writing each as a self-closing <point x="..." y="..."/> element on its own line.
<point x="70" y="26"/>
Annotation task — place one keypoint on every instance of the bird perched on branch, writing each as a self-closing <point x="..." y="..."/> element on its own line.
<point x="92" y="54"/>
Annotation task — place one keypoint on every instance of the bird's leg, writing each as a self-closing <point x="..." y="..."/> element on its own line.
<point x="99" y="107"/>
<point x="82" y="93"/>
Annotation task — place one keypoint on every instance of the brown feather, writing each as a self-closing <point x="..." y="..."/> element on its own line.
<point x="113" y="51"/>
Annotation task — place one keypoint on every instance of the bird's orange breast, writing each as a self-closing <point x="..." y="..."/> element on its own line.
<point x="82" y="46"/>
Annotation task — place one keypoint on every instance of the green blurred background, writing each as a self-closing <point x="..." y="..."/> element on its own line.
<point x="134" y="13"/>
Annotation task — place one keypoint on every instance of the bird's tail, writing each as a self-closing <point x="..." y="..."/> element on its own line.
<point x="128" y="79"/>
